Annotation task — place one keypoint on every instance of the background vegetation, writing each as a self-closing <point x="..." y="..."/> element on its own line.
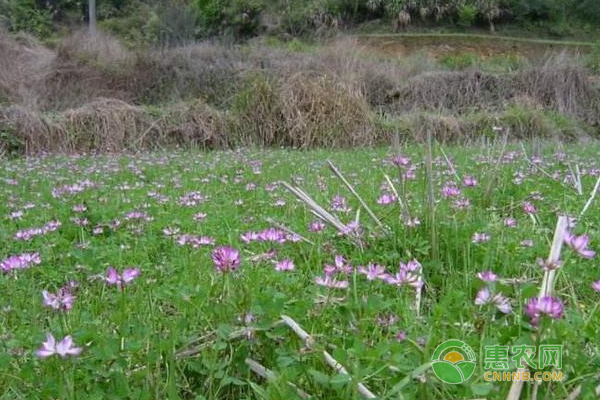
<point x="176" y="21"/>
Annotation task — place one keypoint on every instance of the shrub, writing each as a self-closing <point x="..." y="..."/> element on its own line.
<point x="466" y="15"/>
<point x="24" y="15"/>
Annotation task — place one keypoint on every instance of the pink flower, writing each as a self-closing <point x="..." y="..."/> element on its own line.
<point x="401" y="336"/>
<point x="469" y="181"/>
<point x="527" y="243"/>
<point x="548" y="305"/>
<point x="596" y="286"/>
<point x="226" y="259"/>
<point x="449" y="190"/>
<point x="338" y="203"/>
<point x="510" y="222"/>
<point x="285" y="265"/>
<point x="62" y="300"/>
<point x="404" y="278"/>
<point x="487" y="276"/>
<point x="386" y="199"/>
<point x="480" y="237"/>
<point x="401" y="161"/>
<point x="502" y="303"/>
<point x="372" y="271"/>
<point x="127" y="276"/>
<point x="63" y="348"/>
<point x="529" y="208"/>
<point x="22" y="261"/>
<point x="329" y="281"/>
<point x="579" y="244"/>
<point x="199" y="216"/>
<point x="316" y="226"/>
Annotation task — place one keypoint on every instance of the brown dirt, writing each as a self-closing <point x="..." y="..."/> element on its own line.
<point x="398" y="46"/>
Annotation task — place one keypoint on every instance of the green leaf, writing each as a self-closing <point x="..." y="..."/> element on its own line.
<point x="340" y="380"/>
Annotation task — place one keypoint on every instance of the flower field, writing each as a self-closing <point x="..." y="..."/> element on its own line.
<point x="277" y="274"/>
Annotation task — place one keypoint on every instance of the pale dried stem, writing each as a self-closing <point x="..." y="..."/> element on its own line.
<point x="333" y="363"/>
<point x="355" y="193"/>
<point x="269" y="375"/>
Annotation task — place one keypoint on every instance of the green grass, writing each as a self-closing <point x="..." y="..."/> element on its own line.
<point x="475" y="37"/>
<point x="133" y="338"/>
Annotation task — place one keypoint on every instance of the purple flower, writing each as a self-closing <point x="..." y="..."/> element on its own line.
<point x="329" y="281"/>
<point x="338" y="203"/>
<point x="548" y="305"/>
<point x="469" y="181"/>
<point x="226" y="259"/>
<point x="502" y="303"/>
<point x="411" y="266"/>
<point x="480" y="237"/>
<point x="63" y="348"/>
<point x="487" y="276"/>
<point x="372" y="271"/>
<point x="548" y="265"/>
<point x="386" y="199"/>
<point x="401" y="161"/>
<point x="529" y="208"/>
<point x="62" y="300"/>
<point x="126" y="277"/>
<point x="596" y="286"/>
<point x="579" y="244"/>
<point x="285" y="265"/>
<point x="449" y="190"/>
<point x="404" y="277"/>
<point x="22" y="261"/>
<point x="412" y="222"/>
<point x="527" y="243"/>
<point x="401" y="336"/>
<point x="316" y="226"/>
<point x="510" y="222"/>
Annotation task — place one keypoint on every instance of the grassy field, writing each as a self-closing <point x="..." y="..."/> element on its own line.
<point x="181" y="319"/>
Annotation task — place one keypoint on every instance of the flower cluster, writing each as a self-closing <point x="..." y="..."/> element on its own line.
<point x="28" y="234"/>
<point x="487" y="294"/>
<point x="226" y="259"/>
<point x="547" y="305"/>
<point x="269" y="235"/>
<point x="22" y="261"/>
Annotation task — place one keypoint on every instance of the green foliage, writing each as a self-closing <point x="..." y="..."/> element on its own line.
<point x="237" y="17"/>
<point x="24" y="15"/>
<point x="171" y="22"/>
<point x="592" y="59"/>
<point x="467" y="13"/>
<point x="459" y="61"/>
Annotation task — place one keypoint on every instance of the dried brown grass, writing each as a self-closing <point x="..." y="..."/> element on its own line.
<point x="87" y="94"/>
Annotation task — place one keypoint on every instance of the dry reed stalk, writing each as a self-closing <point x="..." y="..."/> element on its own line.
<point x="545" y="289"/>
<point x="269" y="375"/>
<point x="288" y="230"/>
<point x="403" y="205"/>
<point x="430" y="195"/>
<point x="322" y="213"/>
<point x="591" y="198"/>
<point x="337" y="172"/>
<point x="332" y="362"/>
<point x="450" y="165"/>
<point x="547" y="174"/>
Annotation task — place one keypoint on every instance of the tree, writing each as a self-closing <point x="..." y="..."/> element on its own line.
<point x="92" y="16"/>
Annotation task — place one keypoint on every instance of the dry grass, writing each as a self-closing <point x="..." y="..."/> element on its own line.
<point x="89" y="94"/>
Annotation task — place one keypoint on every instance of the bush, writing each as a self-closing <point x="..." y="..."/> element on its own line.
<point x="466" y="15"/>
<point x="24" y="15"/>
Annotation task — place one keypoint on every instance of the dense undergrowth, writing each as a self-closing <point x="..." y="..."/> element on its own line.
<point x="93" y="94"/>
<point x="124" y="255"/>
